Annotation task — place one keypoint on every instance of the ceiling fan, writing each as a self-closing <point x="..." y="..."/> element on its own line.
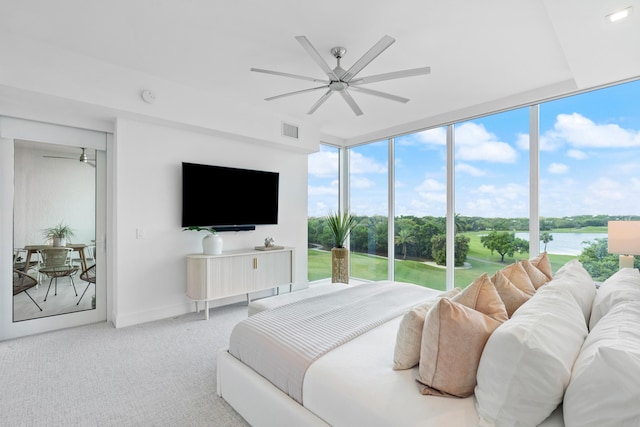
<point x="83" y="158"/>
<point x="342" y="81"/>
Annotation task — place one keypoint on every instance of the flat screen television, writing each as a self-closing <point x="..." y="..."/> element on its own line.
<point x="224" y="197"/>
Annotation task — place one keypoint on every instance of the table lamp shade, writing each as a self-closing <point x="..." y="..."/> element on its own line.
<point x="624" y="240"/>
<point x="624" y="237"/>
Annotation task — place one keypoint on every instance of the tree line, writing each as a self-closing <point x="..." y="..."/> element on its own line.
<point x="424" y="238"/>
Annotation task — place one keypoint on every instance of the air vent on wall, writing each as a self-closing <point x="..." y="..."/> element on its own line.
<point x="289" y="130"/>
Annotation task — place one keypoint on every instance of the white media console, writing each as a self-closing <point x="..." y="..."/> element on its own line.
<point x="238" y="272"/>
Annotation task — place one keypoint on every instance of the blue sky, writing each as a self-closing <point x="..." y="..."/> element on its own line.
<point x="589" y="163"/>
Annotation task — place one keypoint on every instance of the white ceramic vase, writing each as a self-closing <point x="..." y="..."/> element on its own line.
<point x="212" y="244"/>
<point x="59" y="241"/>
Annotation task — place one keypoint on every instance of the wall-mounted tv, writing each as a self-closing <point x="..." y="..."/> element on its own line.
<point x="228" y="198"/>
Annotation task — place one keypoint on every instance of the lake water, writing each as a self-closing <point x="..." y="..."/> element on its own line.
<point x="566" y="243"/>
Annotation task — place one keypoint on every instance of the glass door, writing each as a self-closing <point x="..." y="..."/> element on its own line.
<point x="58" y="208"/>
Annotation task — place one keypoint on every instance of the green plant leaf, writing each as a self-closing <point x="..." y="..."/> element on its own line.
<point x="341" y="225"/>
<point x="196" y="228"/>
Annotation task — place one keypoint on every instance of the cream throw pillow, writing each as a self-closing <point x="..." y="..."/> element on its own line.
<point x="481" y="295"/>
<point x="452" y="343"/>
<point x="538" y="278"/>
<point x="511" y="295"/>
<point x="518" y="276"/>
<point x="543" y="264"/>
<point x="407" y="351"/>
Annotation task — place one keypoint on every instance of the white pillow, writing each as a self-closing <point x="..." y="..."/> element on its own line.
<point x="579" y="282"/>
<point x="624" y="285"/>
<point x="604" y="388"/>
<point x="526" y="364"/>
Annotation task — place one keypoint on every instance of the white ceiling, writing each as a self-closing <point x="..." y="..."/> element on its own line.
<point x="484" y="54"/>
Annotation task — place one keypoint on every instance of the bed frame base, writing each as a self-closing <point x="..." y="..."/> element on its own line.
<point x="258" y="401"/>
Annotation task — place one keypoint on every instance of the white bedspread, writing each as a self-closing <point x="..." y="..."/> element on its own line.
<point x="281" y="343"/>
<point x="354" y="385"/>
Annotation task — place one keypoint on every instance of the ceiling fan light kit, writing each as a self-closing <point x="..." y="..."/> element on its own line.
<point x="342" y="81"/>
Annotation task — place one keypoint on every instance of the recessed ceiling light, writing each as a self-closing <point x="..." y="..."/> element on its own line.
<point x="620" y="14"/>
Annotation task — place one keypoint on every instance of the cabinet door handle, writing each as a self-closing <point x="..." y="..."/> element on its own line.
<point x="255" y="263"/>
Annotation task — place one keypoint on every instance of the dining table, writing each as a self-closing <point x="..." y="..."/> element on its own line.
<point x="78" y="247"/>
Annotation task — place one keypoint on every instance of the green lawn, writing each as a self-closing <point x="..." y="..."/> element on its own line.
<point x="370" y="267"/>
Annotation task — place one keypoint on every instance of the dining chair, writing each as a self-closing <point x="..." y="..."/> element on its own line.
<point x="56" y="263"/>
<point x="22" y="282"/>
<point x="89" y="276"/>
<point x="19" y="261"/>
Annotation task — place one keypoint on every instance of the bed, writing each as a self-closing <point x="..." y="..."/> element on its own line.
<point x="354" y="383"/>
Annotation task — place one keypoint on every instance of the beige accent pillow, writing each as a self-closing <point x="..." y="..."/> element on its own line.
<point x="511" y="295"/>
<point x="538" y="278"/>
<point x="543" y="264"/>
<point x="481" y="295"/>
<point x="518" y="276"/>
<point x="452" y="342"/>
<point x="407" y="351"/>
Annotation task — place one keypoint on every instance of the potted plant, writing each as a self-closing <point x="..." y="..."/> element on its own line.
<point x="211" y="243"/>
<point x="340" y="225"/>
<point x="59" y="234"/>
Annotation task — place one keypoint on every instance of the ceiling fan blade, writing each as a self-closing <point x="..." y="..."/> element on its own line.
<point x="294" y="76"/>
<point x="320" y="101"/>
<point x="391" y="76"/>
<point x="316" y="57"/>
<point x="295" y="93"/>
<point x="352" y="103"/>
<point x="380" y="94"/>
<point x="372" y="54"/>
<point x="59" y="157"/>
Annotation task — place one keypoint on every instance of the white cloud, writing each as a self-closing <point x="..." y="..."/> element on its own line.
<point x="522" y="141"/>
<point x="320" y="190"/>
<point x="558" y="168"/>
<point x="577" y="154"/>
<point x="359" y="164"/>
<point x="437" y="136"/>
<point x="474" y="142"/>
<point x="579" y="131"/>
<point x="470" y="170"/>
<point x="323" y="164"/>
<point x="429" y="185"/>
<point x="360" y="183"/>
<point x="607" y="189"/>
<point x="508" y="200"/>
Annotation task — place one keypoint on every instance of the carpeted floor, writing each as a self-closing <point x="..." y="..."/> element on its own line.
<point x="160" y="373"/>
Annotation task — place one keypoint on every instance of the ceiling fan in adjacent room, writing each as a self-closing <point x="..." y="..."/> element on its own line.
<point x="342" y="81"/>
<point x="83" y="158"/>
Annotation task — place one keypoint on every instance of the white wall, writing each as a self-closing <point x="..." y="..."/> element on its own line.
<point x="150" y="272"/>
<point x="146" y="277"/>
<point x="49" y="191"/>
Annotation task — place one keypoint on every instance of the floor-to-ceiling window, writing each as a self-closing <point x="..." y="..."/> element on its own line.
<point x="589" y="173"/>
<point x="587" y="145"/>
<point x="369" y="201"/>
<point x="323" y="195"/>
<point x="491" y="193"/>
<point x="420" y="208"/>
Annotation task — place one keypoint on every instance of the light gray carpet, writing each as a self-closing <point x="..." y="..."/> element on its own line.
<point x="160" y="373"/>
